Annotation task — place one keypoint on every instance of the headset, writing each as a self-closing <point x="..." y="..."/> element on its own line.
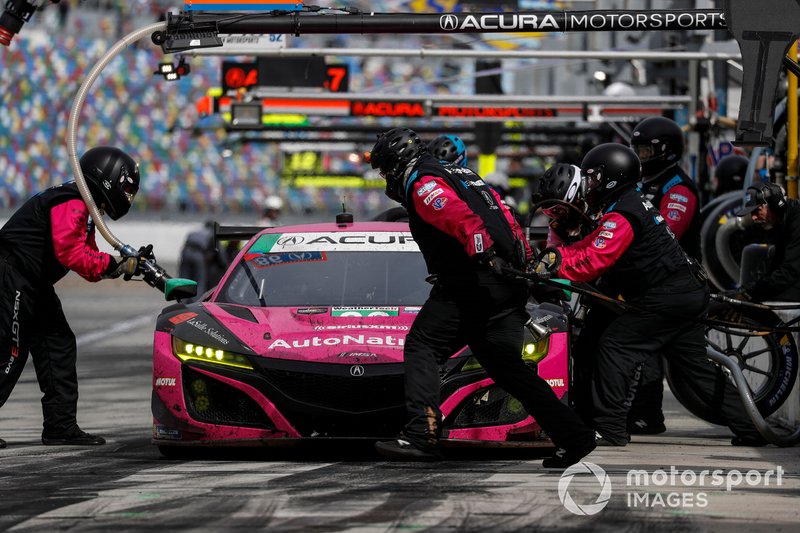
<point x="770" y="194"/>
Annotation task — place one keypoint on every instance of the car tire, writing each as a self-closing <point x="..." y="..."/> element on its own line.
<point x="774" y="356"/>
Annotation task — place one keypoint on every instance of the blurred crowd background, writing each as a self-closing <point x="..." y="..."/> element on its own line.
<point x="192" y="164"/>
<point x="187" y="161"/>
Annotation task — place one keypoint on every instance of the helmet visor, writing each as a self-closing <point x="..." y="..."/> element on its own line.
<point x="591" y="180"/>
<point x="130" y="190"/>
<point x="645" y="151"/>
<point x="556" y="212"/>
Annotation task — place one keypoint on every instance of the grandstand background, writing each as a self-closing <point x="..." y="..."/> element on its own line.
<point x="186" y="162"/>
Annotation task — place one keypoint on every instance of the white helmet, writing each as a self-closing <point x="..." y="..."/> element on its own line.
<point x="274" y="202"/>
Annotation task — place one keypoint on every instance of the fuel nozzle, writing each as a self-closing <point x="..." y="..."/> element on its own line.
<point x="16" y="13"/>
<point x="537" y="331"/>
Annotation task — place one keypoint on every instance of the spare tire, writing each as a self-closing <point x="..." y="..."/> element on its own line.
<point x="713" y="216"/>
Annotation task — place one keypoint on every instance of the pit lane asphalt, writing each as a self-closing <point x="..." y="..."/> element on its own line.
<point x="126" y="485"/>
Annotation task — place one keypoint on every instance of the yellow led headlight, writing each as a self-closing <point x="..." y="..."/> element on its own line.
<point x="186" y="351"/>
<point x="535" y="351"/>
<point x="531" y="351"/>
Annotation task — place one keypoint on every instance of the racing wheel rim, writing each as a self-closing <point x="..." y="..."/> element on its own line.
<point x="768" y="362"/>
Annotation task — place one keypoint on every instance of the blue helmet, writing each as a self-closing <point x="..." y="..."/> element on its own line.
<point x="449" y="148"/>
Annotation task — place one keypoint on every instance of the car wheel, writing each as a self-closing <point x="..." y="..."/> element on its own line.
<point x="768" y="362"/>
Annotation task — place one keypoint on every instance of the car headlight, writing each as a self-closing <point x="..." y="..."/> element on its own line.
<point x="186" y="351"/>
<point x="535" y="351"/>
<point x="532" y="352"/>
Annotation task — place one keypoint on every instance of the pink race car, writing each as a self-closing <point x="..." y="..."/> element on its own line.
<point x="303" y="339"/>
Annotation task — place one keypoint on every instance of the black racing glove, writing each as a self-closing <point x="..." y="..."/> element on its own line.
<point x="146" y="252"/>
<point x="496" y="264"/>
<point x="127" y="267"/>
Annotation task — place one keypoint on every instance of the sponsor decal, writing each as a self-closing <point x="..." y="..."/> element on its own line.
<point x="165" y="382"/>
<point x="356" y="371"/>
<point x="448" y="22"/>
<point x="388" y="340"/>
<point x="642" y="21"/>
<point x="366" y="355"/>
<point x="606" y="234"/>
<point x="459" y="170"/>
<point x="678" y="198"/>
<point x="393" y="241"/>
<point x="290" y="240"/>
<point x="411" y="310"/>
<point x="365" y="311"/>
<point x="387" y="109"/>
<point x="556" y="382"/>
<point x="394" y="327"/>
<point x="673" y="215"/>
<point x="679" y="207"/>
<point x="181" y="318"/>
<point x="670" y="184"/>
<point x="611" y="184"/>
<point x="163" y="432"/>
<point x="477" y="239"/>
<point x="488" y="199"/>
<point x="311" y="310"/>
<point x="264" y="260"/>
<point x="609" y="224"/>
<point x="14" y="333"/>
<point x="439" y="203"/>
<point x="428" y="199"/>
<point x="658" y="218"/>
<point x="498" y="21"/>
<point x="208" y="330"/>
<point x="425" y="188"/>
<point x="599" y="243"/>
<point x="510" y="112"/>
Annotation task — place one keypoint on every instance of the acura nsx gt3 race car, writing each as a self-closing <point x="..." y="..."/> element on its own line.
<point x="303" y="339"/>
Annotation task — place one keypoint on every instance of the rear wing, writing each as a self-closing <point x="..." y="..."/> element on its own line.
<point x="235" y="233"/>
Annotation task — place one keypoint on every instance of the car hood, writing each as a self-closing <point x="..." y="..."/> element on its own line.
<point x="350" y="335"/>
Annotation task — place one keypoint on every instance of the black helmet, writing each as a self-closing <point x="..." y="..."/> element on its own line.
<point x="658" y="141"/>
<point x="561" y="182"/>
<point x="449" y="148"/>
<point x="730" y="173"/>
<point x="607" y="170"/>
<point x="112" y="177"/>
<point x="392" y="153"/>
<point x="559" y="185"/>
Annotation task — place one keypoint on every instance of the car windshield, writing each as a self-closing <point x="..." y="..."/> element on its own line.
<point x="330" y="278"/>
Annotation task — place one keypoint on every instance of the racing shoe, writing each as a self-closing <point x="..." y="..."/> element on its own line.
<point x="643" y="427"/>
<point x="564" y="457"/>
<point x="74" y="436"/>
<point x="402" y="449"/>
<point x="602" y="441"/>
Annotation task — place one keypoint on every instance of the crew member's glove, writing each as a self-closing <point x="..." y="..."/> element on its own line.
<point x="547" y="263"/>
<point x="146" y="252"/>
<point x="496" y="264"/>
<point x="127" y="267"/>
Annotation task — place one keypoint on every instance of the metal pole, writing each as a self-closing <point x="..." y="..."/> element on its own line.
<point x="422" y="53"/>
<point x="791" y="129"/>
<point x="479" y="99"/>
<point x="298" y="23"/>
